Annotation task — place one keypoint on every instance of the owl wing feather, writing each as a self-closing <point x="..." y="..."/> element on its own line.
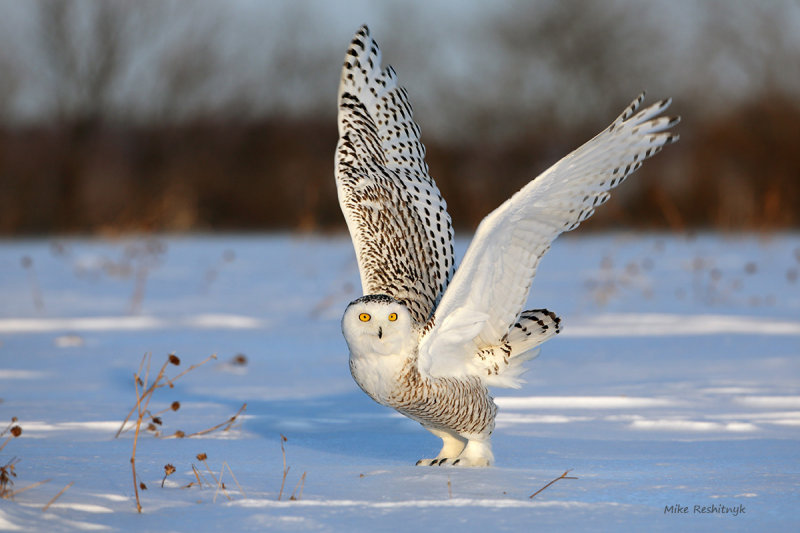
<point x="398" y="220"/>
<point x="490" y="287"/>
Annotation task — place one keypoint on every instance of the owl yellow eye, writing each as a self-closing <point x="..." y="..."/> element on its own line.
<point x="364" y="317"/>
<point x="392" y="317"/>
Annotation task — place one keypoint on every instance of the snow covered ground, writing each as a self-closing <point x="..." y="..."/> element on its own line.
<point x="675" y="384"/>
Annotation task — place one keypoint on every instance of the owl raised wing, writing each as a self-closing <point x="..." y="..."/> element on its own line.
<point x="397" y="218"/>
<point x="483" y="302"/>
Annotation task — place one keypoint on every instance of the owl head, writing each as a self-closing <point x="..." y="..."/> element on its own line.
<point x="378" y="324"/>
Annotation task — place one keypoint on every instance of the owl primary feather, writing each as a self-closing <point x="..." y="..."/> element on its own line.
<point x="427" y="339"/>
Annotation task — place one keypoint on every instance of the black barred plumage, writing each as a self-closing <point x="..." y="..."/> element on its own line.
<point x="402" y="232"/>
<point x="425" y="340"/>
<point x="460" y="405"/>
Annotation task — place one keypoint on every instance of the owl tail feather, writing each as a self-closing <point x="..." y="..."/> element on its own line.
<point x="532" y="329"/>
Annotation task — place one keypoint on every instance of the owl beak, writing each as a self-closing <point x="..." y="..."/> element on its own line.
<point x="380" y="332"/>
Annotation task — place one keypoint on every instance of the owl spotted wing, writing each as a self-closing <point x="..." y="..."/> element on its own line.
<point x="492" y="284"/>
<point x="398" y="221"/>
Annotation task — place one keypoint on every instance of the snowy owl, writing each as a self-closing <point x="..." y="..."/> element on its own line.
<point x="427" y="339"/>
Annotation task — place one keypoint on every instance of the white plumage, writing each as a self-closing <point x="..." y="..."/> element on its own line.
<point x="432" y="341"/>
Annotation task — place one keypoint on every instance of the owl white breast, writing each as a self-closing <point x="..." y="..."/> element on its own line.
<point x="380" y="335"/>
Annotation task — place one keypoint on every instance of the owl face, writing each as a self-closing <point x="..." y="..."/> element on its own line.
<point x="377" y="324"/>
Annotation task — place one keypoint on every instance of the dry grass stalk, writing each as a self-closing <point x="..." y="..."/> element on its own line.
<point x="228" y="424"/>
<point x="197" y="476"/>
<point x="225" y="464"/>
<point x="174" y="406"/>
<point x="57" y="496"/>
<point x="135" y="441"/>
<point x="562" y="476"/>
<point x="221" y="485"/>
<point x="8" y="470"/>
<point x="300" y="484"/>
<point x="14" y="420"/>
<point x="14" y="430"/>
<point x="5" y="442"/>
<point x="29" y="487"/>
<point x="285" y="468"/>
<point x="218" y="482"/>
<point x="144" y="393"/>
<point x="157" y="384"/>
<point x="449" y="488"/>
<point x="6" y="482"/>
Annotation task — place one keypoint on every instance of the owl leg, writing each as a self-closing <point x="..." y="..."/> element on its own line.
<point x="477" y="452"/>
<point x="452" y="445"/>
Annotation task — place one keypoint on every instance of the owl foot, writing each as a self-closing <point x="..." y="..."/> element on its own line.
<point x="477" y="452"/>
<point x="439" y="461"/>
<point x="455" y="461"/>
<point x="452" y="446"/>
<point x="466" y="461"/>
<point x="461" y="450"/>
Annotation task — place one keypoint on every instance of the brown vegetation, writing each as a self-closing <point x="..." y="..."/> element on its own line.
<point x="562" y="476"/>
<point x="141" y="116"/>
<point x="145" y="390"/>
<point x="737" y="170"/>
